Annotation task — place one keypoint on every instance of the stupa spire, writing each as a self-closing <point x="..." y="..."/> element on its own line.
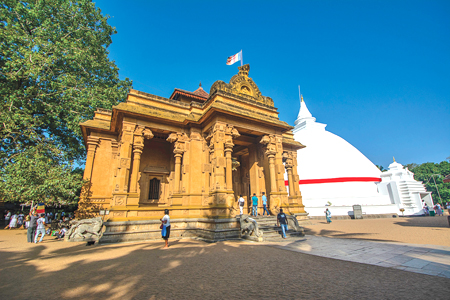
<point x="304" y="111"/>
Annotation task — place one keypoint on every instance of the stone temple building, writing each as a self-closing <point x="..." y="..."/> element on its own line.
<point x="193" y="153"/>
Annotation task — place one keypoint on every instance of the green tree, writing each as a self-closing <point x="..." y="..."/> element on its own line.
<point x="430" y="173"/>
<point x="381" y="168"/>
<point x="55" y="72"/>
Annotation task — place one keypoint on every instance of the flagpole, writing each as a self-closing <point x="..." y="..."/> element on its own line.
<point x="242" y="59"/>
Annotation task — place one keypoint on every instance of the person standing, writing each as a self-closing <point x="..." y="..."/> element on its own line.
<point x="255" y="205"/>
<point x="328" y="215"/>
<point x="166" y="227"/>
<point x="40" y="228"/>
<point x="13" y="221"/>
<point x="425" y="209"/>
<point x="282" y="221"/>
<point x="31" y="230"/>
<point x="264" y="201"/>
<point x="20" y="218"/>
<point x="7" y="218"/>
<point x="241" y="204"/>
<point x="438" y="209"/>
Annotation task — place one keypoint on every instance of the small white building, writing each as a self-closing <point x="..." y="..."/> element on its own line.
<point x="399" y="184"/>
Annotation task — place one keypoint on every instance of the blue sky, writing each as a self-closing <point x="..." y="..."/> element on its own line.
<point x="377" y="72"/>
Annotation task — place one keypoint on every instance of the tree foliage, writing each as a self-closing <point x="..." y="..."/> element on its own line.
<point x="55" y="72"/>
<point x="431" y="172"/>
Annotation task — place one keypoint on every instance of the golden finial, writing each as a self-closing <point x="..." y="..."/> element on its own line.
<point x="301" y="97"/>
<point x="200" y="84"/>
<point x="393" y="158"/>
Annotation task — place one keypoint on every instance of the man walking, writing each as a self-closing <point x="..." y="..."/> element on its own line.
<point x="264" y="200"/>
<point x="31" y="231"/>
<point x="282" y="221"/>
<point x="241" y="204"/>
<point x="255" y="205"/>
<point x="40" y="228"/>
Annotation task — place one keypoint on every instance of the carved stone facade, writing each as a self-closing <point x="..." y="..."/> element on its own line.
<point x="194" y="153"/>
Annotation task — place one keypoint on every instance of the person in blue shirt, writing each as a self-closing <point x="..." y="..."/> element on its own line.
<point x="255" y="205"/>
<point x="282" y="221"/>
<point x="264" y="200"/>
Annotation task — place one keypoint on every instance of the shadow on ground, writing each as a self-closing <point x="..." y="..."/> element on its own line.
<point x="195" y="270"/>
<point x="436" y="222"/>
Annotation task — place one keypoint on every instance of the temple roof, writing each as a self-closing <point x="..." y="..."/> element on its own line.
<point x="198" y="94"/>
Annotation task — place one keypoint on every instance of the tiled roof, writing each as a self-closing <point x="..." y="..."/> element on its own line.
<point x="201" y="92"/>
<point x="198" y="94"/>
<point x="447" y="178"/>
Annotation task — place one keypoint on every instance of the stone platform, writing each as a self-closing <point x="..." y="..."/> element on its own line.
<point x="210" y="230"/>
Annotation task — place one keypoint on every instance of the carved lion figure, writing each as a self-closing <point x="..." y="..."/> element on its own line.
<point x="85" y="229"/>
<point x="249" y="226"/>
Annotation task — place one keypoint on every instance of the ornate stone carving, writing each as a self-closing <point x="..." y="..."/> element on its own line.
<point x="235" y="164"/>
<point x="249" y="226"/>
<point x="274" y="205"/>
<point x="293" y="223"/>
<point x="179" y="140"/>
<point x="243" y="86"/>
<point x="85" y="230"/>
<point x="140" y="133"/>
<point x="270" y="142"/>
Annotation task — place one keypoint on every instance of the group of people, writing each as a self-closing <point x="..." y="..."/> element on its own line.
<point x="14" y="219"/>
<point x="38" y="228"/>
<point x="255" y="200"/>
<point x="36" y="224"/>
<point x="437" y="208"/>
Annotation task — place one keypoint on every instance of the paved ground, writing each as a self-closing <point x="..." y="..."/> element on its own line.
<point x="191" y="269"/>
<point x="424" y="259"/>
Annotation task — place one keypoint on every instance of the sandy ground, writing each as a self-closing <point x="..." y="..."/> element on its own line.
<point x="192" y="269"/>
<point x="417" y="230"/>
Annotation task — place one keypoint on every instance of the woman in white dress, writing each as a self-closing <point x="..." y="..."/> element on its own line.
<point x="13" y="221"/>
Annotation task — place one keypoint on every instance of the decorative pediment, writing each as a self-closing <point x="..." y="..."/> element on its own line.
<point x="243" y="86"/>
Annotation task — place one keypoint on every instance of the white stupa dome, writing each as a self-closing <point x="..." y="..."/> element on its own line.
<point x="327" y="155"/>
<point x="331" y="170"/>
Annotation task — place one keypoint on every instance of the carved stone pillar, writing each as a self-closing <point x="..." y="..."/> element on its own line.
<point x="178" y="139"/>
<point x="288" y="165"/>
<point x="92" y="144"/>
<point x="137" y="151"/>
<point x="178" y="156"/>
<point x="273" y="181"/>
<point x="269" y="142"/>
<point x="220" y="140"/>
<point x="295" y="173"/>
<point x="138" y="145"/>
<point x="229" y="174"/>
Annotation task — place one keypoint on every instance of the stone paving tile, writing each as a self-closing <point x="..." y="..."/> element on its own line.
<point x="416" y="263"/>
<point x="386" y="256"/>
<point x="445" y="274"/>
<point x="399" y="259"/>
<point x="441" y="259"/>
<point x="423" y="259"/>
<point x="436" y="267"/>
<point x="385" y="264"/>
<point x="422" y="271"/>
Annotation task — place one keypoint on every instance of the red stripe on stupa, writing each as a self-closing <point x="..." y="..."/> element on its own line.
<point x="338" y="179"/>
